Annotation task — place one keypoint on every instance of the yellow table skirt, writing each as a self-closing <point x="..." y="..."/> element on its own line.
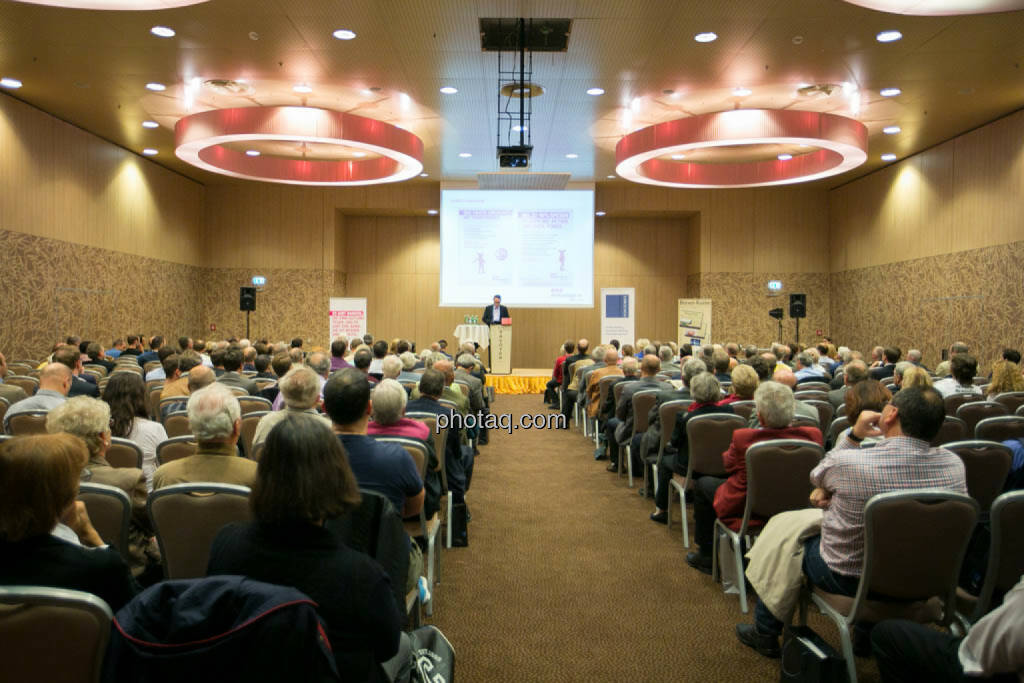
<point x="517" y="384"/>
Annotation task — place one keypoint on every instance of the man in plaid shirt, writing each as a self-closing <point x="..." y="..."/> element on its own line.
<point x="846" y="479"/>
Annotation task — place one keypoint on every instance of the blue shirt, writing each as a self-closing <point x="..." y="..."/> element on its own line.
<point x="113" y="353"/>
<point x="382" y="467"/>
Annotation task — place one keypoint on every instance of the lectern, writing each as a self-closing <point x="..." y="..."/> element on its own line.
<point x="501" y="348"/>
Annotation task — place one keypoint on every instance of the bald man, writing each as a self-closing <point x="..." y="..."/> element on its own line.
<point x="611" y="368"/>
<point x="784" y="375"/>
<point x="54" y="384"/>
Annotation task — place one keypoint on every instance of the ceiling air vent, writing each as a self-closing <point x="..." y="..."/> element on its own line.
<point x="522" y="181"/>
<point x="542" y="35"/>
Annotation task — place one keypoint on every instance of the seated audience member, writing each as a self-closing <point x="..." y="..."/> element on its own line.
<point x="650" y="441"/>
<point x="610" y="369"/>
<point x="409" y="361"/>
<point x="217" y="358"/>
<point x="215" y="419"/>
<point x="915" y="377"/>
<point x="744" y="384"/>
<point x="94" y="351"/>
<point x="668" y="365"/>
<point x="785" y="376"/>
<point x="877" y="357"/>
<point x="450" y="393"/>
<point x="867" y="395"/>
<point x="806" y="371"/>
<point x="763" y="365"/>
<point x="199" y="376"/>
<point x="158" y="372"/>
<point x="361" y="360"/>
<point x="300" y="395"/>
<point x="320" y="364"/>
<point x="992" y="651"/>
<point x="263" y="367"/>
<point x="46" y="538"/>
<point x="915" y="357"/>
<point x="232" y="375"/>
<point x="464" y="373"/>
<point x="116" y="347"/>
<point x="582" y="352"/>
<point x="9" y="392"/>
<point x="302" y="481"/>
<point x="890" y="356"/>
<point x="583" y="373"/>
<point x="338" y="349"/>
<point x="54" y="382"/>
<point x="571" y="391"/>
<point x="706" y="392"/>
<point x="963" y="367"/>
<point x="89" y="419"/>
<point x="720" y="365"/>
<point x="383" y="467"/>
<point x="714" y="497"/>
<point x="942" y="370"/>
<point x="391" y="367"/>
<point x="379" y="350"/>
<point x="846" y="479"/>
<point x="1005" y="377"/>
<point x="458" y="461"/>
<point x="126" y="396"/>
<point x="249" y="359"/>
<point x="619" y="429"/>
<point x="389" y="401"/>
<point x="630" y="372"/>
<point x="899" y="371"/>
<point x="132" y="347"/>
<point x="957" y="348"/>
<point x="155" y="343"/>
<point x="69" y="356"/>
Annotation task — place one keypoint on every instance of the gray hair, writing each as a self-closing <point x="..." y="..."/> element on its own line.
<point x="902" y="367"/>
<point x="388" y="402"/>
<point x="804" y="359"/>
<point x="630" y="366"/>
<point x="300" y="388"/>
<point x="775" y="404"/>
<point x="691" y="369"/>
<point x="466" y="361"/>
<point x="212" y="413"/>
<point x="319" y="362"/>
<point x="649" y="350"/>
<point x="434" y="357"/>
<point x="598" y="354"/>
<point x="391" y="366"/>
<point x="408" y="360"/>
<point x="705" y="388"/>
<point x="914" y="355"/>
<point x="86" y="417"/>
<point x="665" y="354"/>
<point x="845" y="354"/>
<point x="425" y="355"/>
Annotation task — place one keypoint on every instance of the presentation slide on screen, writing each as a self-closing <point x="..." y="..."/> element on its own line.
<point x="534" y="248"/>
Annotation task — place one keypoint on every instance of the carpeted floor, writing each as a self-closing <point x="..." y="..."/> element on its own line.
<point x="566" y="579"/>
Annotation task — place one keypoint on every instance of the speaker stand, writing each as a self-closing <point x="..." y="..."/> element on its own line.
<point x="780" y="331"/>
<point x="247" y="324"/>
<point x="797" y="330"/>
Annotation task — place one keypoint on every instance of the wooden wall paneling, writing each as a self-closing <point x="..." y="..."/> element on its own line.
<point x="730" y="220"/>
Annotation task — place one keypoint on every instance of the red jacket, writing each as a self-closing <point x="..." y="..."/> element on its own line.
<point x="731" y="497"/>
<point x="556" y="374"/>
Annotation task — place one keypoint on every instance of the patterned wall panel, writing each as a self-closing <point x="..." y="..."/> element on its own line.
<point x="972" y="296"/>
<point x="50" y="288"/>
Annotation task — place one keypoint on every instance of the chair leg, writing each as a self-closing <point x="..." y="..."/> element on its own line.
<point x="654" y="478"/>
<point x="448" y="521"/>
<point x="623" y="453"/>
<point x="716" y="571"/>
<point x="682" y="515"/>
<point x="430" y="574"/>
<point x="629" y="468"/>
<point x="741" y="582"/>
<point x="597" y="433"/>
<point x="847" y="643"/>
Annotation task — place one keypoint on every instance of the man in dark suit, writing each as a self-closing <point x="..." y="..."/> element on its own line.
<point x="649" y="368"/>
<point x="493" y="315"/>
<point x="72" y="358"/>
<point x="891" y="355"/>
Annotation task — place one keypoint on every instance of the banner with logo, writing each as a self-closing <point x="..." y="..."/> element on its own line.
<point x="694" y="316"/>
<point x="618" y="314"/>
<point x="347" y="317"/>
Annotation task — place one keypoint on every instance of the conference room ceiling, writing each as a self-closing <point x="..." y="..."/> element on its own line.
<point x="91" y="68"/>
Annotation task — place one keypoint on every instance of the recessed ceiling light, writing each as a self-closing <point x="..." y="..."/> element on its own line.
<point x="162" y="31"/>
<point x="156" y="87"/>
<point x="10" y="82"/>
<point x="150" y="124"/>
<point x="252" y="152"/>
<point x="888" y="157"/>
<point x="432" y="212"/>
<point x="889" y="92"/>
<point x="344" y="34"/>
<point x="611" y="176"/>
<point x="888" y="36"/>
<point x="424" y="175"/>
<point x="595" y="91"/>
<point x="784" y="157"/>
<point x="465" y="155"/>
<point x="449" y="90"/>
<point x="599" y="213"/>
<point x="891" y="130"/>
<point x="149" y="151"/>
<point x="302" y="87"/>
<point x="741" y="91"/>
<point x="677" y="157"/>
<point x="359" y="154"/>
<point x="519" y="129"/>
<point x="706" y="37"/>
<point x="571" y="155"/>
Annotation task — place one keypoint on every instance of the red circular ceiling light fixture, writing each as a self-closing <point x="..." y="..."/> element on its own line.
<point x="940" y="8"/>
<point x="132" y="5"/>
<point x="201" y="140"/>
<point x="839" y="144"/>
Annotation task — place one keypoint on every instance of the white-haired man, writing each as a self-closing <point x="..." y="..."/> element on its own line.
<point x="215" y="419"/>
<point x="300" y="392"/>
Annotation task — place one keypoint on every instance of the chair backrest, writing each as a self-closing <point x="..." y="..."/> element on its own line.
<point x="1020" y="410"/>
<point x="52" y="634"/>
<point x="813" y="386"/>
<point x="954" y="401"/>
<point x="254" y="404"/>
<point x="643" y="401"/>
<point x="1000" y="428"/>
<point x="4" y="405"/>
<point x="187" y="517"/>
<point x="617" y="391"/>
<point x="16" y="367"/>
<point x="29" y="384"/>
<point x="153" y="400"/>
<point x="408" y="385"/>
<point x="836" y="428"/>
<point x="176" y="424"/>
<point x="952" y="429"/>
<point x="124" y="453"/>
<point x="110" y="510"/>
<point x="825" y="411"/>
<point x="175" y="448"/>
<point x="986" y="464"/>
<point x="463" y="386"/>
<point x="264" y="382"/>
<point x="418" y="451"/>
<point x="744" y="408"/>
<point x="603" y="386"/>
<point x="914" y="544"/>
<point x="130" y="367"/>
<point x="667" y="413"/>
<point x="805" y="421"/>
<point x="249" y="423"/>
<point x="239" y="392"/>
<point x="96" y="367"/>
<point x="778" y="477"/>
<point x="1013" y="400"/>
<point x="171" y="404"/>
<point x="1006" y="554"/>
<point x="440" y="440"/>
<point x="32" y="422"/>
<point x="975" y="411"/>
<point x="807" y="395"/>
<point x="708" y="437"/>
<point x="449" y="403"/>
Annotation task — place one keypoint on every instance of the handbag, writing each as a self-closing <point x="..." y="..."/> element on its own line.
<point x="807" y="658"/>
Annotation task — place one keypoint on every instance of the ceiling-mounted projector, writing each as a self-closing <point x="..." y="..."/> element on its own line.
<point x="514" y="156"/>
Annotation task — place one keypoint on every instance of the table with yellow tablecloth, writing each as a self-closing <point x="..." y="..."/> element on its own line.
<point x="518" y="384"/>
